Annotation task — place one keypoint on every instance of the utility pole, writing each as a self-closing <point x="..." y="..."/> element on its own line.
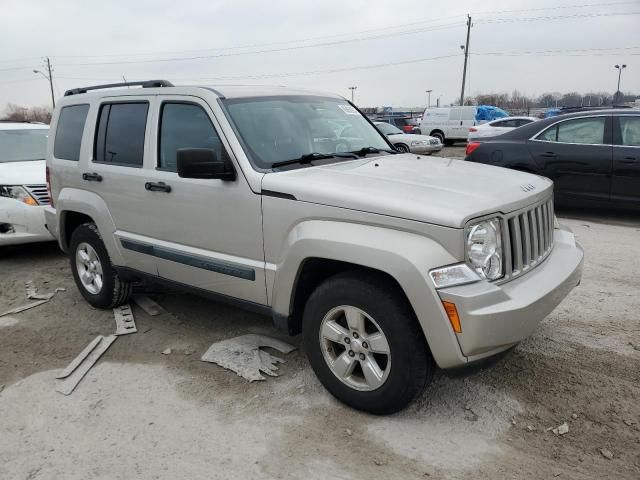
<point x="50" y="78"/>
<point x="466" y="57"/>
<point x="428" y="92"/>
<point x="353" y="89"/>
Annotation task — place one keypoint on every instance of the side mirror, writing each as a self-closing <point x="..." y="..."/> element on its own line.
<point x="203" y="163"/>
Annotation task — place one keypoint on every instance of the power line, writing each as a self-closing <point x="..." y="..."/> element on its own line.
<point x="557" y="17"/>
<point x="287" y="42"/>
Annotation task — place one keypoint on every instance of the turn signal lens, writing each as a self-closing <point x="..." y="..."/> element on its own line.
<point x="452" y="313"/>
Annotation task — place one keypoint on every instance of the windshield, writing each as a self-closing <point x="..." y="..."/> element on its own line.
<point x="23" y="145"/>
<point x="279" y="128"/>
<point x="387" y="129"/>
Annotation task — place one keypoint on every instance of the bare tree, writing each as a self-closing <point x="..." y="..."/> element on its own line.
<point x="17" y="113"/>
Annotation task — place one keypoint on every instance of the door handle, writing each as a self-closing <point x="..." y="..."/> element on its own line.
<point x="548" y="155"/>
<point x="629" y="160"/>
<point x="92" y="177"/>
<point x="157" y="187"/>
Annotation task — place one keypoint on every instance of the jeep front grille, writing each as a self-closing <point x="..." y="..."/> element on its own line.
<point x="40" y="193"/>
<point x="527" y="238"/>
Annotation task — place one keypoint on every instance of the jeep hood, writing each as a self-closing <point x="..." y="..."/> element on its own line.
<point x="23" y="173"/>
<point x="436" y="190"/>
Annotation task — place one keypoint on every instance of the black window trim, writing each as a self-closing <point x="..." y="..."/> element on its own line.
<point x="97" y="127"/>
<point x="81" y="136"/>
<point x="607" y="131"/>
<point x="159" y="132"/>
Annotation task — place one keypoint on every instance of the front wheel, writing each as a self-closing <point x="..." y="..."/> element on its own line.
<point x="402" y="148"/>
<point x="93" y="273"/>
<point x="364" y="343"/>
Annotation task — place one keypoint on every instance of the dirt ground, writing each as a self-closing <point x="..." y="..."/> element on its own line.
<point x="142" y="414"/>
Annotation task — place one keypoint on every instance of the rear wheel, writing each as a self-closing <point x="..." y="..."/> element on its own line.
<point x="92" y="270"/>
<point x="438" y="134"/>
<point x="364" y="343"/>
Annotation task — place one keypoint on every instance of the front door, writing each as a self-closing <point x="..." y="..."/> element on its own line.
<point x="207" y="232"/>
<point x="576" y="154"/>
<point x="625" y="186"/>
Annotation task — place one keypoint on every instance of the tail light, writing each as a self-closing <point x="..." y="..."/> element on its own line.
<point x="49" y="186"/>
<point x="471" y="147"/>
<point x="472" y="129"/>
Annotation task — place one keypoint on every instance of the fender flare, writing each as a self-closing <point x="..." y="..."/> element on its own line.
<point x="92" y="205"/>
<point x="405" y="256"/>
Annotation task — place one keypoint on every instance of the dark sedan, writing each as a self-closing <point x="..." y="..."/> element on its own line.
<point x="592" y="157"/>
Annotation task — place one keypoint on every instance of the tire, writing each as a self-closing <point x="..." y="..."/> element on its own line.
<point x="438" y="134"/>
<point x="405" y="371"/>
<point x="111" y="291"/>
<point x="402" y="148"/>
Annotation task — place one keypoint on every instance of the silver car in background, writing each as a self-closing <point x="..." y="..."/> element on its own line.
<point x="409" y="142"/>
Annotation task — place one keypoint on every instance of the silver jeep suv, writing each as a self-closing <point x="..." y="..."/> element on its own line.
<point x="292" y="204"/>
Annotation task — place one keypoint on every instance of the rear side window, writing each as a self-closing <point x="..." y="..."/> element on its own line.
<point x="185" y="125"/>
<point x="522" y="122"/>
<point x="630" y="131"/>
<point x="69" y="132"/>
<point x="120" y="133"/>
<point x="587" y="131"/>
<point x="583" y="130"/>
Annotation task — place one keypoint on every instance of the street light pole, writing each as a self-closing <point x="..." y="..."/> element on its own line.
<point x="50" y="78"/>
<point x="353" y="89"/>
<point x="619" y="67"/>
<point x="428" y="92"/>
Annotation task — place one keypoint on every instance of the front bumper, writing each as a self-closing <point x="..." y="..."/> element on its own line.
<point x="26" y="223"/>
<point x="418" y="149"/>
<point x="496" y="317"/>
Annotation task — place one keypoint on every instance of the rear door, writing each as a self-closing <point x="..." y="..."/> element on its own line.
<point x="626" y="159"/>
<point x="115" y="172"/>
<point x="577" y="155"/>
<point x="454" y="125"/>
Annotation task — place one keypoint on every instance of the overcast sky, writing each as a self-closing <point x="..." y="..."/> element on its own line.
<point x="327" y="45"/>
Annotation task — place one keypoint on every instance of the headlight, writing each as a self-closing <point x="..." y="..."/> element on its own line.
<point x="484" y="248"/>
<point x="17" y="193"/>
<point x="418" y="142"/>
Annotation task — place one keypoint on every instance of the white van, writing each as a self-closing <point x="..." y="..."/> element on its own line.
<point x="449" y="124"/>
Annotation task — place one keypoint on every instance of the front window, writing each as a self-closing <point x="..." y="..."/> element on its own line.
<point x="280" y="128"/>
<point x="387" y="129"/>
<point x="23" y="145"/>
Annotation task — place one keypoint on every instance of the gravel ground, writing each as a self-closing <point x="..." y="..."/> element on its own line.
<point x="142" y="414"/>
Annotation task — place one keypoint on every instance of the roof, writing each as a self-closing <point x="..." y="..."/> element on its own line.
<point x="23" y="126"/>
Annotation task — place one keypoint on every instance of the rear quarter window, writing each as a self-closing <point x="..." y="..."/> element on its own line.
<point x="69" y="132"/>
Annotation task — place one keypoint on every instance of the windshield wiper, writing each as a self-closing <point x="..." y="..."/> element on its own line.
<point x="309" y="157"/>
<point x="366" y="150"/>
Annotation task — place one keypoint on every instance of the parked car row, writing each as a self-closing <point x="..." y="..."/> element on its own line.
<point x="592" y="157"/>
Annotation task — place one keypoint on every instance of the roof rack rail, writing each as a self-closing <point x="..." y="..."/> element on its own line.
<point x="143" y="84"/>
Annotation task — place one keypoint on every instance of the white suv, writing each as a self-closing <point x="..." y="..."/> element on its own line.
<point x="23" y="189"/>
<point x="292" y="204"/>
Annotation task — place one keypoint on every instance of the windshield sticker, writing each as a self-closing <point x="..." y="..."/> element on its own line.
<point x="348" y="109"/>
